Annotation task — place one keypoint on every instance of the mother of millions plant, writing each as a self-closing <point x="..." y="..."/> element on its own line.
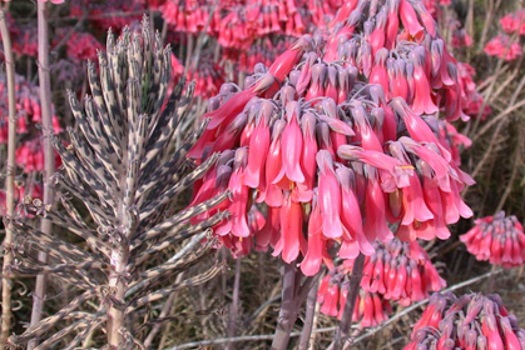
<point x="343" y="141"/>
<point x="125" y="164"/>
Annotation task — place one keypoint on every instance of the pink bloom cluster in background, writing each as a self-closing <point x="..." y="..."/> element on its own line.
<point x="514" y="22"/>
<point x="114" y="14"/>
<point x="497" y="239"/>
<point x="29" y="154"/>
<point x="339" y="134"/>
<point x="82" y="47"/>
<point x="502" y="46"/>
<point x="507" y="46"/>
<point x="371" y="309"/>
<point x="470" y="322"/>
<point x="238" y="24"/>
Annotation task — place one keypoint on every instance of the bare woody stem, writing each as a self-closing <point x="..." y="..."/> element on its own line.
<point x="309" y="319"/>
<point x="286" y="318"/>
<point x="49" y="159"/>
<point x="10" y="182"/>
<point x="234" y="308"/>
<point x="343" y="332"/>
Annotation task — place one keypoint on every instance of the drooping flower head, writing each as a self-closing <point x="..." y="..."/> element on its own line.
<point x="340" y="136"/>
<point x="498" y="239"/>
<point x="472" y="321"/>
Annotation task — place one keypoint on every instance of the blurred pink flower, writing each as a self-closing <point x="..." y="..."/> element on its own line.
<point x="502" y="47"/>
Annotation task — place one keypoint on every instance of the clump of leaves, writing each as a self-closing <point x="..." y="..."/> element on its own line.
<point x="123" y="167"/>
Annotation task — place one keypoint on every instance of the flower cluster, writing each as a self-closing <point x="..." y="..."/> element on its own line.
<point x="101" y="15"/>
<point x="400" y="271"/>
<point x="514" y="22"/>
<point x="397" y="271"/>
<point x="506" y="46"/>
<point x="264" y="53"/>
<point x="238" y="24"/>
<point x="83" y="46"/>
<point x="370" y="310"/>
<point x="324" y="138"/>
<point x="503" y="47"/>
<point x="497" y="239"/>
<point x="208" y="78"/>
<point x="472" y="321"/>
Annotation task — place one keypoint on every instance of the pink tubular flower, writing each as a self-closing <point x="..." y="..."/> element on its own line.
<point x="470" y="322"/>
<point x="497" y="239"/>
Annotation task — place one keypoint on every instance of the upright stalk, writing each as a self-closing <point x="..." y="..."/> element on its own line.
<point x="343" y="332"/>
<point x="234" y="308"/>
<point x="119" y="262"/>
<point x="9" y="182"/>
<point x="288" y="313"/>
<point x="309" y="318"/>
<point x="49" y="159"/>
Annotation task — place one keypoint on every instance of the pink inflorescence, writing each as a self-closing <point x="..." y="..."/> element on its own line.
<point x="29" y="153"/>
<point x="504" y="47"/>
<point x="470" y="322"/>
<point x="497" y="239"/>
<point x="238" y="24"/>
<point x="396" y="271"/>
<point x="340" y="134"/>
<point x="514" y="22"/>
<point x="370" y="310"/>
<point x="400" y="271"/>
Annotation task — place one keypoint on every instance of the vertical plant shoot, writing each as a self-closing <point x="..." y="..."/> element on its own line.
<point x="122" y="169"/>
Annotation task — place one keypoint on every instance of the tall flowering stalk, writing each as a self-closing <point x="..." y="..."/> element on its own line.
<point x="44" y="78"/>
<point x="10" y="181"/>
<point x="340" y="135"/>
<point x="122" y="169"/>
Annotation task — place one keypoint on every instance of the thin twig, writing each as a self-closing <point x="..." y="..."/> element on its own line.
<point x="10" y="182"/>
<point x="509" y="186"/>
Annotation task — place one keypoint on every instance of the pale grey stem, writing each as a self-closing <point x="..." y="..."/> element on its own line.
<point x="9" y="182"/>
<point x="49" y="158"/>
